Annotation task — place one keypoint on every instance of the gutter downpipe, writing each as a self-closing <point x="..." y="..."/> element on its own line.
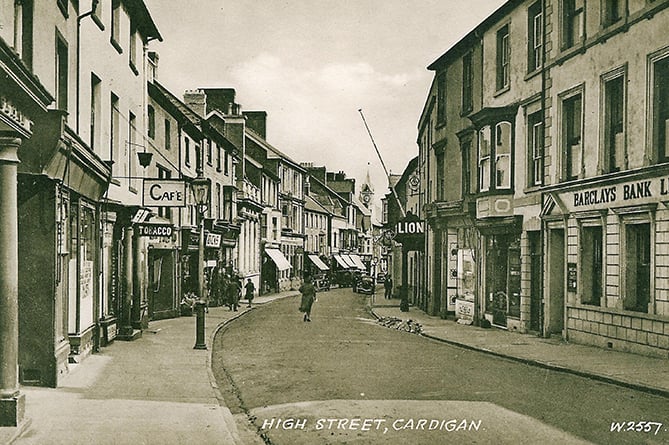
<point x="542" y="331"/>
<point x="78" y="74"/>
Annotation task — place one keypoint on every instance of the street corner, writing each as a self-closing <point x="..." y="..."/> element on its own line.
<point x="403" y="421"/>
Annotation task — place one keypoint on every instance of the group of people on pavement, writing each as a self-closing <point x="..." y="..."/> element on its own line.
<point x="226" y="289"/>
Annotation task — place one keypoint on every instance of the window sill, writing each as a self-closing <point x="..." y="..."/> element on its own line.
<point x="502" y="91"/>
<point x="98" y="22"/>
<point x="133" y="68"/>
<point x="532" y="74"/>
<point x="116" y="45"/>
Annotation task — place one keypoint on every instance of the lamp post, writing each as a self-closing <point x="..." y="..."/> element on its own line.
<point x="200" y="186"/>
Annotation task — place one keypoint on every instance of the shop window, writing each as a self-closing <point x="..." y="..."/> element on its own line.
<point x="592" y="261"/>
<point x="503" y="56"/>
<point x="534" y="37"/>
<point x="614" y="123"/>
<point x="502" y="280"/>
<point x="573" y="22"/>
<point x="535" y="149"/>
<point x="572" y="131"/>
<point x="661" y="109"/>
<point x="441" y="98"/>
<point x="637" y="270"/>
<point x="467" y="83"/>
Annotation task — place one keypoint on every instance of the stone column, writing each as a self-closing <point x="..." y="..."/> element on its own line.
<point x="12" y="402"/>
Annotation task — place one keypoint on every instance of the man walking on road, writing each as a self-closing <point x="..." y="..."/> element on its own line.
<point x="250" y="289"/>
<point x="308" y="292"/>
<point x="388" y="286"/>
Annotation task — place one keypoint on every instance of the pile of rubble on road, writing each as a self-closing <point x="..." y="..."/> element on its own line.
<point x="401" y="325"/>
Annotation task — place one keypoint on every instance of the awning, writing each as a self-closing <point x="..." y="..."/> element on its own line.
<point x="317" y="261"/>
<point x="358" y="261"/>
<point x="278" y="258"/>
<point x="349" y="261"/>
<point x="341" y="262"/>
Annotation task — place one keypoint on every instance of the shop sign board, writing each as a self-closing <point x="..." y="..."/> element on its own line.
<point x="164" y="193"/>
<point x="212" y="240"/>
<point x="464" y="311"/>
<point x="154" y="229"/>
<point x="617" y="195"/>
<point x="572" y="275"/>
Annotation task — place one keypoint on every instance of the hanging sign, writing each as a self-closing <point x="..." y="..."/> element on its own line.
<point x="212" y="240"/>
<point x="164" y="193"/>
<point x="154" y="229"/>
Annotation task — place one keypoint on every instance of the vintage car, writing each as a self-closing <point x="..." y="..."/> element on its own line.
<point x="365" y="285"/>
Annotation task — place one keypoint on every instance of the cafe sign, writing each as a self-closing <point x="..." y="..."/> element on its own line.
<point x="164" y="193"/>
<point x="617" y="195"/>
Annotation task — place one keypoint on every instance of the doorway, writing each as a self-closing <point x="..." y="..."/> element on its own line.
<point x="535" y="281"/>
<point x="556" y="282"/>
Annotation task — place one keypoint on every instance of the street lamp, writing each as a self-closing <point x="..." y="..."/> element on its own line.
<point x="200" y="187"/>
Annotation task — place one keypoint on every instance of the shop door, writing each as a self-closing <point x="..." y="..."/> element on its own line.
<point x="162" y="300"/>
<point x="556" y="282"/>
<point x="535" y="281"/>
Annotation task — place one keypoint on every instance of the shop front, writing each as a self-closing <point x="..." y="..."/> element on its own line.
<point x="61" y="183"/>
<point x="607" y="250"/>
<point x="274" y="268"/>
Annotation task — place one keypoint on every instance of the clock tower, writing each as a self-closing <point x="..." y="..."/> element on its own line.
<point x="367" y="192"/>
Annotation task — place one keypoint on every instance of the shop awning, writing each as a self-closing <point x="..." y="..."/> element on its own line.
<point x="317" y="261"/>
<point x="341" y="261"/>
<point x="358" y="262"/>
<point x="278" y="258"/>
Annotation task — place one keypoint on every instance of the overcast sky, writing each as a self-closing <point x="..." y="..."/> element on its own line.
<point x="311" y="64"/>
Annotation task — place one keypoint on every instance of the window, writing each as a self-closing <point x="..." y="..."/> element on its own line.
<point x="132" y="145"/>
<point x="573" y="23"/>
<point x="637" y="271"/>
<point x="151" y="112"/>
<point x="503" y="55"/>
<point x="467" y="83"/>
<point x="495" y="146"/>
<point x="465" y="149"/>
<point x="210" y="151"/>
<point x="226" y="166"/>
<point x="116" y="25"/>
<point x="61" y="74"/>
<point x="132" y="45"/>
<point x="163" y="173"/>
<point x="484" y="159"/>
<point x="441" y="176"/>
<point x="23" y="31"/>
<point x="503" y="155"/>
<point x="62" y="5"/>
<point x="114" y="135"/>
<point x="612" y="11"/>
<point x="535" y="149"/>
<point x="441" y="98"/>
<point x="96" y="112"/>
<point x="592" y="259"/>
<point x="614" y="124"/>
<point x="571" y="121"/>
<point x="534" y="37"/>
<point x="168" y="135"/>
<point x="218" y="200"/>
<point x="218" y="157"/>
<point x="661" y="109"/>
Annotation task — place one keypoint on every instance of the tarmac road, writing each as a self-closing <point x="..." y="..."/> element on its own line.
<point x="345" y="379"/>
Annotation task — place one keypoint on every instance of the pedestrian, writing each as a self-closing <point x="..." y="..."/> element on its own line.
<point x="233" y="295"/>
<point x="308" y="292"/>
<point x="388" y="286"/>
<point x="249" y="290"/>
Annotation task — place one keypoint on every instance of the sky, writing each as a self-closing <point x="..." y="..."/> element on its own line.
<point x="312" y="64"/>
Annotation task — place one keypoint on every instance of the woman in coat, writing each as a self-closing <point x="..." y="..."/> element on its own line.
<point x="308" y="292"/>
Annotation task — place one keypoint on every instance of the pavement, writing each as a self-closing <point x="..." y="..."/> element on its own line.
<point x="157" y="389"/>
<point x="644" y="373"/>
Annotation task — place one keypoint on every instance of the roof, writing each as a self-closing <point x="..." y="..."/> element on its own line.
<point x="312" y="205"/>
<point x="174" y="105"/>
<point x="465" y="42"/>
<point x="410" y="168"/>
<point x="271" y="150"/>
<point x="144" y="21"/>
